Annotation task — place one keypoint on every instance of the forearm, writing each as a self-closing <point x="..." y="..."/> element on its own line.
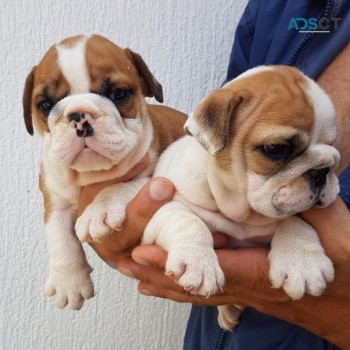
<point x="335" y="81"/>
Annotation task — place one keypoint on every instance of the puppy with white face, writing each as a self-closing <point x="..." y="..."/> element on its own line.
<point x="260" y="152"/>
<point x="86" y="98"/>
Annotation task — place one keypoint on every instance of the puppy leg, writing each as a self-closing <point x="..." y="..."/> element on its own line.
<point x="191" y="258"/>
<point x="69" y="282"/>
<point x="228" y="316"/>
<point x="298" y="262"/>
<point x="107" y="211"/>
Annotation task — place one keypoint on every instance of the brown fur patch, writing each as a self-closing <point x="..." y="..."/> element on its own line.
<point x="50" y="81"/>
<point x="168" y="125"/>
<point x="213" y="116"/>
<point x="273" y="101"/>
<point x="27" y="101"/>
<point x="107" y="61"/>
<point x="46" y="195"/>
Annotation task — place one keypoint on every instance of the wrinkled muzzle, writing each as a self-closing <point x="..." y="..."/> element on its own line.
<point x="88" y="133"/>
<point x="308" y="180"/>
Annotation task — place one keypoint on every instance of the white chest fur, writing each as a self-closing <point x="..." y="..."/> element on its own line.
<point x="195" y="182"/>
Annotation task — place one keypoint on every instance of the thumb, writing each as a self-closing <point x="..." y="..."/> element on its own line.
<point x="327" y="219"/>
<point x="151" y="197"/>
<point x="332" y="226"/>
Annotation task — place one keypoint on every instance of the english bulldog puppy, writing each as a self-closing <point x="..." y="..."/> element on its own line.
<point x="261" y="151"/>
<point x="86" y="98"/>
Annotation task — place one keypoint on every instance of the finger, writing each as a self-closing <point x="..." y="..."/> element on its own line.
<point x="247" y="267"/>
<point x="156" y="277"/>
<point x="246" y="273"/>
<point x="335" y="215"/>
<point x="140" y="210"/>
<point x="150" y="255"/>
<point x="153" y="255"/>
<point x="238" y="295"/>
<point x="332" y="225"/>
<point x="183" y="296"/>
<point x="243" y="267"/>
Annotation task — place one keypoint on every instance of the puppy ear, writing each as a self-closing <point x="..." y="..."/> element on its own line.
<point x="150" y="86"/>
<point x="210" y="121"/>
<point x="27" y="101"/>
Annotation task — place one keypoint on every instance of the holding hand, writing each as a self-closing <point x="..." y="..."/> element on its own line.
<point x="139" y="211"/>
<point x="247" y="279"/>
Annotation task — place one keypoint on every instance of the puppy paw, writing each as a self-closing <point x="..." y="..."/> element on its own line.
<point x="70" y="288"/>
<point x="228" y="316"/>
<point x="299" y="270"/>
<point x="196" y="269"/>
<point x="98" y="220"/>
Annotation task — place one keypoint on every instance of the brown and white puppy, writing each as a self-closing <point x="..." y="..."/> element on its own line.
<point x="86" y="98"/>
<point x="261" y="152"/>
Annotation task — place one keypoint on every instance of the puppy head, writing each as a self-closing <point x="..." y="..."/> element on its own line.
<point x="271" y="131"/>
<point x="86" y="97"/>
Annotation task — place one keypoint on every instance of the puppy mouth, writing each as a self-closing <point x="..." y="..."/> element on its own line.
<point x="317" y="198"/>
<point x="319" y="203"/>
<point x="87" y="148"/>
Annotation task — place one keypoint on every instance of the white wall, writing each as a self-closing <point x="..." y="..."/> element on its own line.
<point x="186" y="43"/>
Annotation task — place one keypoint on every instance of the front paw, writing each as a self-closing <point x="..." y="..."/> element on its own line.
<point x="70" y="287"/>
<point x="98" y="220"/>
<point x="300" y="270"/>
<point x="196" y="269"/>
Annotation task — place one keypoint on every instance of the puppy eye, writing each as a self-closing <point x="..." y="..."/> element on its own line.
<point x="277" y="151"/>
<point x="45" y="107"/>
<point x="119" y="95"/>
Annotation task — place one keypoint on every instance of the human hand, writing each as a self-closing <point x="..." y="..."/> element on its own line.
<point x="247" y="279"/>
<point x="139" y="211"/>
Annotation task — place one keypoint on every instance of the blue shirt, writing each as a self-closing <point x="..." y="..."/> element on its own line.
<point x="268" y="33"/>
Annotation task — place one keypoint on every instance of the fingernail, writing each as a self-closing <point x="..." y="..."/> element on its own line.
<point x="140" y="261"/>
<point x="125" y="272"/>
<point x="145" y="292"/>
<point x="160" y="190"/>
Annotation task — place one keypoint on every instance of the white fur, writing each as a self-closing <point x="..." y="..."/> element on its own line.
<point x="203" y="138"/>
<point x="73" y="66"/>
<point x="298" y="262"/>
<point x="253" y="71"/>
<point x="325" y="128"/>
<point x="69" y="282"/>
<point x="107" y="211"/>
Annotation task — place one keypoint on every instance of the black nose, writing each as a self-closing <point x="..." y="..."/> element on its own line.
<point x="77" y="117"/>
<point x="86" y="130"/>
<point x="82" y="126"/>
<point x="318" y="177"/>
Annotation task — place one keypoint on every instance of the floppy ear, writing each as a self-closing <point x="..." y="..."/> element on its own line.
<point x="27" y="101"/>
<point x="210" y="121"/>
<point x="150" y="85"/>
